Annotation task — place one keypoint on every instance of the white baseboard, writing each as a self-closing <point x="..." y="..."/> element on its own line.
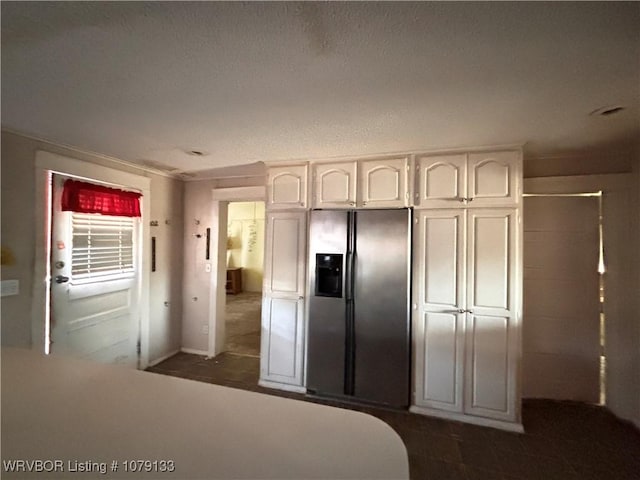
<point x="195" y="352"/>
<point x="163" y="358"/>
<point x="459" y="417"/>
<point x="282" y="386"/>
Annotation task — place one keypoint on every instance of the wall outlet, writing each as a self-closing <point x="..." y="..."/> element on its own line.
<point x="205" y="329"/>
<point x="207" y="267"/>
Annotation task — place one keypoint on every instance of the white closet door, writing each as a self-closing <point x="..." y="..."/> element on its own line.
<point x="561" y="302"/>
<point x="492" y="335"/>
<point x="439" y="324"/>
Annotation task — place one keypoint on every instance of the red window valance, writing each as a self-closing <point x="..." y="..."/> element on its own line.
<point x="86" y="197"/>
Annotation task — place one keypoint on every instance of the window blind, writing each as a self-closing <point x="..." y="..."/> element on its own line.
<point x="102" y="247"/>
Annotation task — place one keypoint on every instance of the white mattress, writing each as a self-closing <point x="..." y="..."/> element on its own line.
<point x="87" y="417"/>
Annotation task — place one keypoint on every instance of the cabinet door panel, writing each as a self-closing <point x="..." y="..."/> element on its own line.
<point x="494" y="178"/>
<point x="492" y="260"/>
<point x="383" y="183"/>
<point x="335" y="184"/>
<point x="282" y="340"/>
<point x="488" y="367"/>
<point x="285" y="253"/>
<point x="442" y="180"/>
<point x="439" y="328"/>
<point x="287" y="187"/>
<point x="442" y="361"/>
<point x="492" y="331"/>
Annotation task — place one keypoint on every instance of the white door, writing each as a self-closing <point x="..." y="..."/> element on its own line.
<point x="561" y="299"/>
<point x="282" y="337"/>
<point x="440" y="296"/>
<point x="94" y="284"/>
<point x="492" y="334"/>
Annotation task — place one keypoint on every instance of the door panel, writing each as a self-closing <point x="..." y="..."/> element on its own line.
<point x="382" y="361"/>
<point x="442" y="361"/>
<point x="492" y="333"/>
<point x="488" y="366"/>
<point x="282" y="344"/>
<point x="440" y="285"/>
<point x="384" y="183"/>
<point x="287" y="187"/>
<point x="95" y="318"/>
<point x="282" y="340"/>
<point x="561" y="302"/>
<point x="490" y="261"/>
<point x="443" y="181"/>
<point x="284" y="273"/>
<point x="335" y="184"/>
<point x="494" y="178"/>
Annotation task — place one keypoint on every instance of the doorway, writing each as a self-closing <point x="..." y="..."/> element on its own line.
<point x="45" y="270"/>
<point x="245" y="259"/>
<point x="563" y="328"/>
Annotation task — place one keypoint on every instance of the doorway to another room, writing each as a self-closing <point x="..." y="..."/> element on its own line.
<point x="564" y="320"/>
<point x="245" y="254"/>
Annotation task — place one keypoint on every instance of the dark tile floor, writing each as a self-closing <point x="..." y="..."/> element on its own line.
<point x="563" y="440"/>
<point x="242" y="323"/>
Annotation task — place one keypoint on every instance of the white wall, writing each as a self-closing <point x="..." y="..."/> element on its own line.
<point x="245" y="232"/>
<point x="621" y="203"/>
<point x="19" y="232"/>
<point x="197" y="282"/>
<point x="166" y="282"/>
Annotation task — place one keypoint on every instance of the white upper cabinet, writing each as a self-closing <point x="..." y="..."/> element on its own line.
<point x="469" y="180"/>
<point x="334" y="185"/>
<point x="383" y="183"/>
<point x="493" y="178"/>
<point x="287" y="187"/>
<point x="442" y="181"/>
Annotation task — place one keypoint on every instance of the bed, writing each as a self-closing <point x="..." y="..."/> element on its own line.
<point x="66" y="418"/>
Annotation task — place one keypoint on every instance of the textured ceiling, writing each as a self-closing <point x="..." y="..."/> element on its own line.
<point x="266" y="81"/>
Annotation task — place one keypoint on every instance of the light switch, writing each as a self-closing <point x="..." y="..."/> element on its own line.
<point x="10" y="287"/>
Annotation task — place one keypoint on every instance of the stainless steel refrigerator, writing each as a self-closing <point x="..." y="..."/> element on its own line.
<point x="359" y="331"/>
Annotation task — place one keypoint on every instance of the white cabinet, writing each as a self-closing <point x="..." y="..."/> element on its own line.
<point x="383" y="183"/>
<point x="334" y="185"/>
<point x="282" y="336"/>
<point x="287" y="186"/>
<point x="368" y="183"/>
<point x="439" y="320"/>
<point x="442" y="180"/>
<point x="473" y="179"/>
<point x="466" y="332"/>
